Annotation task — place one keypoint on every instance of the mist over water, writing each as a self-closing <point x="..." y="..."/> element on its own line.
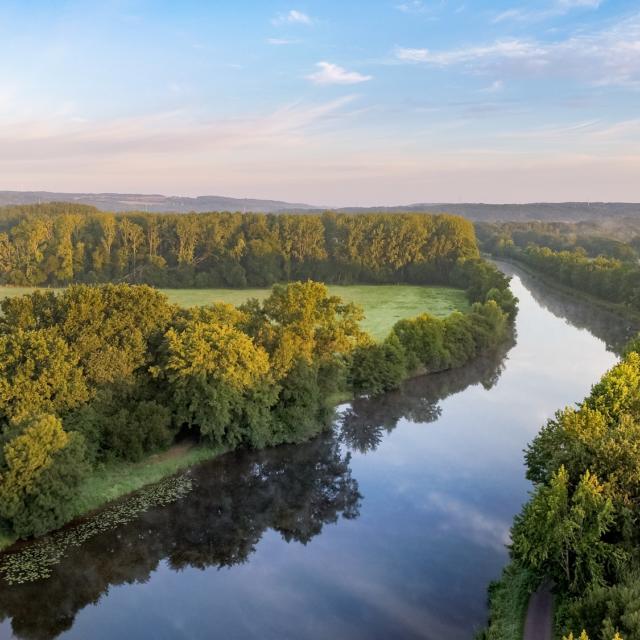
<point x="390" y="526"/>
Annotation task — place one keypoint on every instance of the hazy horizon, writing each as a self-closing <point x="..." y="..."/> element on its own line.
<point x="365" y="104"/>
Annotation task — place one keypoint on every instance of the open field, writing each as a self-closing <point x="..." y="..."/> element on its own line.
<point x="384" y="305"/>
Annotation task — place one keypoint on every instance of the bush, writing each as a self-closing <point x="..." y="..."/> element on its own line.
<point x="376" y="368"/>
<point x="422" y="339"/>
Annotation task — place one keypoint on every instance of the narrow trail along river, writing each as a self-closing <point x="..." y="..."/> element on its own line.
<point x="392" y="526"/>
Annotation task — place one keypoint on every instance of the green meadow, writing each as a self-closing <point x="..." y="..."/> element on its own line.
<point x="383" y="305"/>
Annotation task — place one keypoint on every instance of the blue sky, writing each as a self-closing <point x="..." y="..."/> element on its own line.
<point x="333" y="103"/>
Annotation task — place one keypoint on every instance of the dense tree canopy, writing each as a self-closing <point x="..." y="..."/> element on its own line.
<point x="60" y="244"/>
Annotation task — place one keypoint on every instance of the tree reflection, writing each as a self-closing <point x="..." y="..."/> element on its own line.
<point x="363" y="424"/>
<point x="294" y="490"/>
<point x="613" y="329"/>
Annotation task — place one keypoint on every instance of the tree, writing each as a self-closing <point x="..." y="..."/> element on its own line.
<point x="560" y="532"/>
<point x="40" y="470"/>
<point x="301" y="320"/>
<point x="217" y="380"/>
<point x="39" y="372"/>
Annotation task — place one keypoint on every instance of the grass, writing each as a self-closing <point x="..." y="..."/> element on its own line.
<point x="118" y="479"/>
<point x="508" y="602"/>
<point x="383" y="305"/>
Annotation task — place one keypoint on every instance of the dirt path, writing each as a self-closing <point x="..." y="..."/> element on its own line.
<point x="539" y="621"/>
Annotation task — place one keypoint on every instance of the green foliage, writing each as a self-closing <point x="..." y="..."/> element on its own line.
<point x="39" y="372"/>
<point x="377" y="368"/>
<point x="109" y="327"/>
<point x="301" y="410"/>
<point x="217" y="379"/>
<point x="508" y="601"/>
<point x="41" y="469"/>
<point x="422" y="339"/>
<point x="561" y="532"/>
<point x="101" y="375"/>
<point x="59" y="244"/>
<point x="604" y="611"/>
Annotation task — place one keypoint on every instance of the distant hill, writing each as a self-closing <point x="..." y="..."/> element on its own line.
<point x="557" y="211"/>
<point x="151" y="202"/>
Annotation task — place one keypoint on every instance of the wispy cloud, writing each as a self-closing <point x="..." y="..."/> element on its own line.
<point x="163" y="133"/>
<point x="610" y="56"/>
<point x="557" y="8"/>
<point x="419" y="7"/>
<point x="495" y="87"/>
<point x="412" y="6"/>
<point x="292" y="17"/>
<point x="281" y="41"/>
<point x="329" y="73"/>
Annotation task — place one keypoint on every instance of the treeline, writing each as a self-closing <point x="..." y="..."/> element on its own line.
<point x="59" y="244"/>
<point x="580" y="526"/>
<point x="601" y="266"/>
<point x="605" y="278"/>
<point x="617" y="239"/>
<point x="96" y="374"/>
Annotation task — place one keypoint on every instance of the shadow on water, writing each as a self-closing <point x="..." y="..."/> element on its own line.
<point x="293" y="490"/>
<point x="365" y="421"/>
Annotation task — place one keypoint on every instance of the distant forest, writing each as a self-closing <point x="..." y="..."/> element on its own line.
<point x="59" y="244"/>
<point x="602" y="260"/>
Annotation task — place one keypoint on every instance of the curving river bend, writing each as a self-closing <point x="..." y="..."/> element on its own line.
<point x="390" y="527"/>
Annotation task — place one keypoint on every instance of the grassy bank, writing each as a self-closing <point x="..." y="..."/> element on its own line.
<point x="113" y="481"/>
<point x="383" y="305"/>
<point x="508" y="601"/>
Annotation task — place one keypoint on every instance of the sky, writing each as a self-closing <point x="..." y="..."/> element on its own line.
<point x="333" y="103"/>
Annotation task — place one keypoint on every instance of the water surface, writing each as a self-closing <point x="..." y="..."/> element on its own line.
<point x="391" y="526"/>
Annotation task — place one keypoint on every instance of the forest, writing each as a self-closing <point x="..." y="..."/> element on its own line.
<point x="103" y="373"/>
<point x="583" y="256"/>
<point x="58" y="244"/>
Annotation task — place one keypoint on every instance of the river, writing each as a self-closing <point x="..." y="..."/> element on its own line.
<point x="391" y="526"/>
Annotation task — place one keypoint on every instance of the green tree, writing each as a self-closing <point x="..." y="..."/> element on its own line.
<point x="561" y="533"/>
<point x="217" y="380"/>
<point x="39" y="372"/>
<point x="40" y="469"/>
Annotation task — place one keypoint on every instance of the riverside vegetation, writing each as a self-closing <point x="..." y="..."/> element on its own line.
<point x="101" y="375"/>
<point x="580" y="526"/>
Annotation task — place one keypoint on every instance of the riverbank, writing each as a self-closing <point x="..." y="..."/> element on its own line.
<point x="618" y="309"/>
<point x="120" y="479"/>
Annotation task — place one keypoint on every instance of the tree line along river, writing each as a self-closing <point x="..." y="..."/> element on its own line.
<point x="390" y="526"/>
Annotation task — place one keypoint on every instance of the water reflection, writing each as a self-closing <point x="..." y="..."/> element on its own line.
<point x="612" y="329"/>
<point x="292" y="490"/>
<point x="365" y="421"/>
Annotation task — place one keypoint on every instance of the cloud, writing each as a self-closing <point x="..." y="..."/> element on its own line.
<point x="610" y="56"/>
<point x="292" y="17"/>
<point x="495" y="87"/>
<point x="412" y="6"/>
<point x="558" y="8"/>
<point x="281" y="41"/>
<point x="333" y="74"/>
<point x="49" y="138"/>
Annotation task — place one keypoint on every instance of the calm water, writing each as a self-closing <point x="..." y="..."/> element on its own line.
<point x="390" y="527"/>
